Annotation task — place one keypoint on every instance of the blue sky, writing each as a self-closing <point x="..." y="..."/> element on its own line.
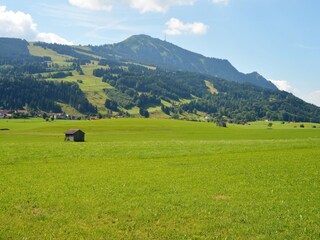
<point x="280" y="39"/>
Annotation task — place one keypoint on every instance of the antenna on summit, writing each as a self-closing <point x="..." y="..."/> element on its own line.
<point x="165" y="37"/>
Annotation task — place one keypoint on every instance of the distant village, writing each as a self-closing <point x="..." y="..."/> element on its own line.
<point x="23" y="114"/>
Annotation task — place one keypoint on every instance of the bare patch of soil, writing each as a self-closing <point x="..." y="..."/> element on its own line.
<point x="221" y="197"/>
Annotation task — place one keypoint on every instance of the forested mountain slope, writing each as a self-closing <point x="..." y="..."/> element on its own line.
<point x="147" y="50"/>
<point x="142" y="87"/>
<point x="79" y="77"/>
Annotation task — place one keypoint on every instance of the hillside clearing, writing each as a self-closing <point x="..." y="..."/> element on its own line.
<point x="55" y="57"/>
<point x="211" y="87"/>
<point x="92" y="86"/>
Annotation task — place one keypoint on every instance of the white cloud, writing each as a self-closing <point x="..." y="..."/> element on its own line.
<point x="283" y="85"/>
<point x="16" y="24"/>
<point x="92" y="4"/>
<point x="177" y="27"/>
<point x="225" y="2"/>
<point x="314" y="97"/>
<point x="21" y="25"/>
<point x="157" y="5"/>
<point x="52" y="38"/>
<point x="141" y="5"/>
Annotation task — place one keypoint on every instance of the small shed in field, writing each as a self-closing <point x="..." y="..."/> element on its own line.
<point x="221" y="124"/>
<point x="74" y="135"/>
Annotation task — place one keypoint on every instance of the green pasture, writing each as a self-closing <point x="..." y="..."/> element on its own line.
<point x="92" y="86"/>
<point x="159" y="179"/>
<point x="55" y="57"/>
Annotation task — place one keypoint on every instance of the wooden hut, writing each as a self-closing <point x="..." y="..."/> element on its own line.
<point x="221" y="124"/>
<point x="74" y="135"/>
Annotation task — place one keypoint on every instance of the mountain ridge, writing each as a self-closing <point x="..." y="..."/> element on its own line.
<point x="148" y="50"/>
<point x="88" y="83"/>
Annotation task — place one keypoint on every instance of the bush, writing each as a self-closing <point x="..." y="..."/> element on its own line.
<point x="61" y="74"/>
<point x="144" y="113"/>
<point x="112" y="105"/>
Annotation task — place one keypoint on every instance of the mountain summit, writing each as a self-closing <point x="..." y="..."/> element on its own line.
<point x="147" y="50"/>
<point x="119" y="80"/>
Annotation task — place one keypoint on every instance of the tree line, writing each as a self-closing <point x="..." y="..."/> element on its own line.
<point x="139" y="86"/>
<point x="21" y="91"/>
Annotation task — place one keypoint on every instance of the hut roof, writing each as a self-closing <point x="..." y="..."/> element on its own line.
<point x="72" y="131"/>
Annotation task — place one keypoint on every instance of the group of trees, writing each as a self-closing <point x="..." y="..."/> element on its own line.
<point x="15" y="52"/>
<point x="246" y="102"/>
<point x="19" y="88"/>
<point x="67" y="50"/>
<point x="139" y="86"/>
<point x="133" y="80"/>
<point x="60" y="74"/>
<point x="18" y="91"/>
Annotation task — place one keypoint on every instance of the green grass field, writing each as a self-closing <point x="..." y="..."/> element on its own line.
<point x="159" y="179"/>
<point x="55" y="57"/>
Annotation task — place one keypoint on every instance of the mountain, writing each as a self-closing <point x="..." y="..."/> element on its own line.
<point x="147" y="50"/>
<point x="84" y="80"/>
<point x="13" y="48"/>
<point x="187" y="95"/>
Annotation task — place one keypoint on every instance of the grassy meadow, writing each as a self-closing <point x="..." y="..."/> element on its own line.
<point x="159" y="179"/>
